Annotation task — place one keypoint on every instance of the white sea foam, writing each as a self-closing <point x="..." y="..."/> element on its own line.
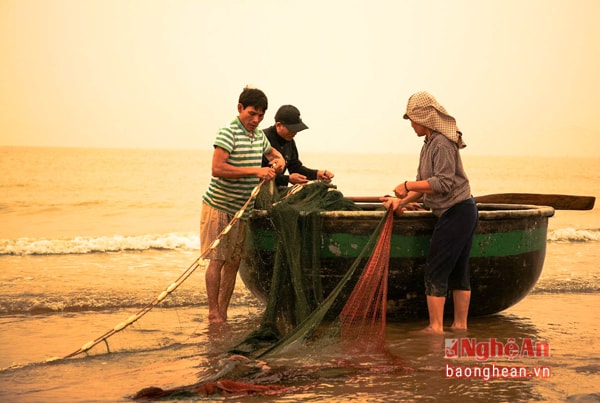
<point x="573" y="235"/>
<point x="103" y="244"/>
<point x="180" y="241"/>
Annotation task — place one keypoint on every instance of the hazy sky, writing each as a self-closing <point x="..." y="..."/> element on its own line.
<point x="520" y="76"/>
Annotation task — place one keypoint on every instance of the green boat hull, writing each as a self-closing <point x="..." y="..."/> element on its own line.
<point x="506" y="261"/>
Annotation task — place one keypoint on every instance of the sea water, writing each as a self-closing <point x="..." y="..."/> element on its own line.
<point x="88" y="237"/>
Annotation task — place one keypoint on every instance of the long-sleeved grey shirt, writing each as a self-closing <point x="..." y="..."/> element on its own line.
<point x="440" y="164"/>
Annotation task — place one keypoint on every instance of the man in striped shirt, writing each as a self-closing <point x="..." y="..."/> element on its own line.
<point x="236" y="171"/>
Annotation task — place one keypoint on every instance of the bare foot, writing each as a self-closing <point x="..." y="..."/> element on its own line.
<point x="458" y="329"/>
<point x="431" y="331"/>
<point x="215" y="318"/>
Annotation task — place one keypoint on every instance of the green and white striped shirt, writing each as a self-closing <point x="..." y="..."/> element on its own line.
<point x="245" y="150"/>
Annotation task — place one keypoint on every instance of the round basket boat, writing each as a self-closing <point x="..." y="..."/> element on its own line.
<point x="506" y="261"/>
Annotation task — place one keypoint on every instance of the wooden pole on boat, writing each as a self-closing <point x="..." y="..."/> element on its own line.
<point x="557" y="201"/>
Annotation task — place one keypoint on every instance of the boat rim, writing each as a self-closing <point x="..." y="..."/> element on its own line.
<point x="487" y="211"/>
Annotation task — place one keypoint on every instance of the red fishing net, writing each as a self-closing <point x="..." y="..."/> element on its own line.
<point x="363" y="317"/>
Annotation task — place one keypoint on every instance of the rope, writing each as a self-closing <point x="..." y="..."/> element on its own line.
<point x="172" y="287"/>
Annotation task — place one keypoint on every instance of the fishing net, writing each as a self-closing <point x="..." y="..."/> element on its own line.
<point x="296" y="304"/>
<point x="363" y="318"/>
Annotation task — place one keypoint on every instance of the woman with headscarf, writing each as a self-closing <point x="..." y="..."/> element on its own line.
<point x="443" y="184"/>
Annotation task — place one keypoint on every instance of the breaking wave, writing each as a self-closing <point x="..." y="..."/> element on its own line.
<point x="573" y="235"/>
<point x="102" y="244"/>
<point x="93" y="300"/>
<point x="180" y="241"/>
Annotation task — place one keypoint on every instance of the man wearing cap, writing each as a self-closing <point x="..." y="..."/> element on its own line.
<point x="288" y="123"/>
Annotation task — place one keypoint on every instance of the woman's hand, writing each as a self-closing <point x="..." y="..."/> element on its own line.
<point x="401" y="191"/>
<point x="394" y="203"/>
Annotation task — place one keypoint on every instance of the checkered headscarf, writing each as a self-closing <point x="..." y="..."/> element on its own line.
<point x="425" y="110"/>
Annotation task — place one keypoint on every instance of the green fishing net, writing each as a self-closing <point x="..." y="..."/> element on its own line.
<point x="296" y="304"/>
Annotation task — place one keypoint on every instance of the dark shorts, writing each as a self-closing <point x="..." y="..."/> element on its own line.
<point x="447" y="266"/>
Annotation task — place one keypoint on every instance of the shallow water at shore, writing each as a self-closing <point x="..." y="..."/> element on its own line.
<point x="175" y="346"/>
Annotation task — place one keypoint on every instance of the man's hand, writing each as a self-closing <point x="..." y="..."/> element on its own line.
<point x="278" y="164"/>
<point x="297" y="179"/>
<point x="325" y="175"/>
<point x="266" y="173"/>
